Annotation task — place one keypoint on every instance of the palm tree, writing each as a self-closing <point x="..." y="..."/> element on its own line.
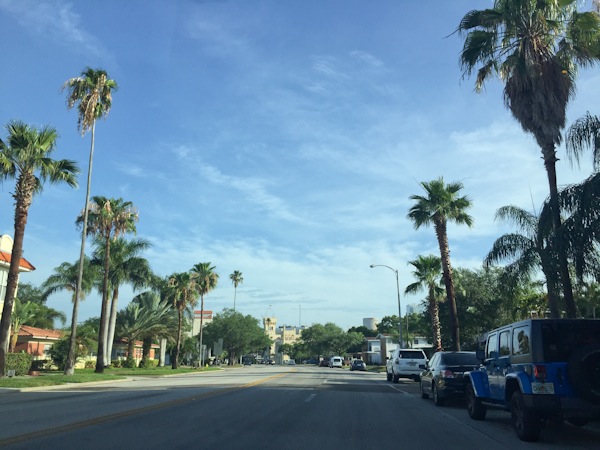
<point x="64" y="278"/>
<point x="534" y="47"/>
<point x="529" y="251"/>
<point x="107" y="220"/>
<point x="183" y="295"/>
<point x="440" y="205"/>
<point x="584" y="133"/>
<point x="126" y="266"/>
<point x="25" y="156"/>
<point x="92" y="93"/>
<point x="22" y="315"/>
<point x="237" y="279"/>
<point x="206" y="280"/>
<point x="428" y="272"/>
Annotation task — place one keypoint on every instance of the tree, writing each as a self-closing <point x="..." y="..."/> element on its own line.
<point x="440" y="205"/>
<point x="45" y="316"/>
<point x="428" y="272"/>
<point x="26" y="156"/>
<point x="107" y="220"/>
<point x="529" y="251"/>
<point x="364" y="330"/>
<point x="22" y="315"/>
<point x="237" y="279"/>
<point x="92" y="93"/>
<point x="329" y="339"/>
<point x="583" y="134"/>
<point x="126" y="266"/>
<point x="389" y="325"/>
<point x="183" y="294"/>
<point x="64" y="278"/>
<point x="206" y="280"/>
<point x="534" y="47"/>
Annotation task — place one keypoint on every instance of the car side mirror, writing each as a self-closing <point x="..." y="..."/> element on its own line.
<point x="480" y="355"/>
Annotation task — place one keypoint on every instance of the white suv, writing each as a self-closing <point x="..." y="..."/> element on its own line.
<point x="405" y="363"/>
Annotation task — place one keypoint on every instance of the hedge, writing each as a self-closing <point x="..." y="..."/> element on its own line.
<point x="19" y="362"/>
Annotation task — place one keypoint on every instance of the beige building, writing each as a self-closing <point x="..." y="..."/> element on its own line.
<point x="283" y="334"/>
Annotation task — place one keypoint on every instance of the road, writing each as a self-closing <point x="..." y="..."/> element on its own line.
<point x="258" y="407"/>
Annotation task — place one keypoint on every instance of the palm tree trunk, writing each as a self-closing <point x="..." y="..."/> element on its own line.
<point x="440" y="231"/>
<point x="201" y="327"/>
<point x="101" y="361"/>
<point x="112" y="323"/>
<point x="435" y="321"/>
<point x="175" y="362"/>
<point x="70" y="362"/>
<point x="21" y="211"/>
<point x="550" y="159"/>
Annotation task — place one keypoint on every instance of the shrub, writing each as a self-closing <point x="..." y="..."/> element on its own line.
<point x="90" y="364"/>
<point x="19" y="362"/>
<point x="129" y="363"/>
<point x="60" y="351"/>
<point x="147" y="363"/>
<point x="116" y="363"/>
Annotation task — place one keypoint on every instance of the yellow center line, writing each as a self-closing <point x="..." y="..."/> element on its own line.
<point x="131" y="412"/>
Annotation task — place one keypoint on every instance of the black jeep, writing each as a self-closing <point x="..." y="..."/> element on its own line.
<point x="539" y="370"/>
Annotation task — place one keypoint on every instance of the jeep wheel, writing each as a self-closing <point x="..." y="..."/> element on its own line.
<point x="388" y="376"/>
<point x="475" y="408"/>
<point x="395" y="378"/>
<point x="527" y="424"/>
<point x="423" y="393"/>
<point x="582" y="370"/>
<point x="439" y="401"/>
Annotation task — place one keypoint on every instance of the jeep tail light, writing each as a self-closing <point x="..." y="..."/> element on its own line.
<point x="447" y="374"/>
<point x="539" y="372"/>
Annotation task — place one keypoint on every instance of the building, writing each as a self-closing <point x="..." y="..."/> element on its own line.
<point x="207" y="317"/>
<point x="36" y="341"/>
<point x="284" y="334"/>
<point x="370" y="323"/>
<point x="6" y="245"/>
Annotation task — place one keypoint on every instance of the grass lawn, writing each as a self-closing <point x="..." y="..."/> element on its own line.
<point x="88" y="376"/>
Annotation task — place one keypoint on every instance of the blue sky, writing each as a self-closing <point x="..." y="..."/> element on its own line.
<point x="280" y="139"/>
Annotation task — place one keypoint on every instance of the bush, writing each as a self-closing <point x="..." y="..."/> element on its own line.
<point x="129" y="363"/>
<point x="147" y="363"/>
<point x="19" y="362"/>
<point x="90" y="364"/>
<point x="39" y="364"/>
<point x="116" y="363"/>
<point x="60" y="351"/>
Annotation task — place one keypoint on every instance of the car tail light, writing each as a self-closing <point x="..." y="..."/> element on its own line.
<point x="447" y="374"/>
<point x="539" y="372"/>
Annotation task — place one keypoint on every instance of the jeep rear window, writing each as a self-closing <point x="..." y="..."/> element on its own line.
<point x="521" y="340"/>
<point x="562" y="339"/>
<point x="408" y="354"/>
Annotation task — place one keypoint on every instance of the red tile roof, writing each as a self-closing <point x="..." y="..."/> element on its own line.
<point x="39" y="333"/>
<point x="24" y="264"/>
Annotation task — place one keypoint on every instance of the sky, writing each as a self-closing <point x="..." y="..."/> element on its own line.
<point x="282" y="139"/>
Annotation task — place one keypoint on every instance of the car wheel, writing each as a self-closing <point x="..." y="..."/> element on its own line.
<point x="527" y="424"/>
<point x="578" y="421"/>
<point x="475" y="408"/>
<point x="581" y="369"/>
<point x="388" y="376"/>
<point x="395" y="378"/>
<point x="439" y="401"/>
<point x="423" y="393"/>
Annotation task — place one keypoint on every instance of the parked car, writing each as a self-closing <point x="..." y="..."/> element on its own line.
<point x="539" y="370"/>
<point x="324" y="362"/>
<point x="310" y="361"/>
<point x="443" y="376"/>
<point x="358" y="364"/>
<point x="405" y="363"/>
<point x="336" y="361"/>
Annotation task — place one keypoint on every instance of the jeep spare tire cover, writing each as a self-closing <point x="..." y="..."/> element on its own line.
<point x="583" y="371"/>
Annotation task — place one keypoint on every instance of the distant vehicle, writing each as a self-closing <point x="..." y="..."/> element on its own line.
<point x="310" y="361"/>
<point x="324" y="362"/>
<point x="358" y="364"/>
<point x="443" y="376"/>
<point x="336" y="361"/>
<point x="247" y="360"/>
<point x="405" y="363"/>
<point x="270" y="362"/>
<point x="291" y="362"/>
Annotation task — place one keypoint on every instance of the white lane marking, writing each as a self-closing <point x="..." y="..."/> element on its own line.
<point x="310" y="397"/>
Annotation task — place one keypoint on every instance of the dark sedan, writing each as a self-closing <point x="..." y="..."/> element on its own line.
<point x="358" y="364"/>
<point x="443" y="376"/>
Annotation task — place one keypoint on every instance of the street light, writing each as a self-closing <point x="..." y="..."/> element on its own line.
<point x="399" y="306"/>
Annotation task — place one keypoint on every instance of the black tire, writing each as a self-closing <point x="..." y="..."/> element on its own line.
<point x="424" y="395"/>
<point x="527" y="424"/>
<point x="439" y="401"/>
<point x="583" y="372"/>
<point x="388" y="376"/>
<point x="475" y="408"/>
<point x="395" y="378"/>
<point x="578" y="421"/>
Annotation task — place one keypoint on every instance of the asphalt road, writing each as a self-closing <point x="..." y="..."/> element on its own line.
<point x="259" y="407"/>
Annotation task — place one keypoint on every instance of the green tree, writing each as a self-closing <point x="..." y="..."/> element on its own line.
<point x="206" y="280"/>
<point x="329" y="339"/>
<point x="92" y="94"/>
<point x="108" y="218"/>
<point x="126" y="266"/>
<point x="183" y="294"/>
<point x="241" y="334"/>
<point x="428" y="273"/>
<point x="442" y="204"/>
<point x="389" y="325"/>
<point x="45" y="316"/>
<point x="534" y="47"/>
<point x="64" y="278"/>
<point x="23" y="314"/>
<point x="237" y="279"/>
<point x="364" y="330"/>
<point x="584" y="134"/>
<point x="26" y="156"/>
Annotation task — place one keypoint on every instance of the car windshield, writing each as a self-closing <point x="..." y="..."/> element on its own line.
<point x="411" y="354"/>
<point x="561" y="339"/>
<point x="460" y="359"/>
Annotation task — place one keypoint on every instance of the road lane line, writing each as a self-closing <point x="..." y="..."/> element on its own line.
<point x="309" y="398"/>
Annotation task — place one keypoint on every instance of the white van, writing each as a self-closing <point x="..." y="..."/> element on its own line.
<point x="336" y="361"/>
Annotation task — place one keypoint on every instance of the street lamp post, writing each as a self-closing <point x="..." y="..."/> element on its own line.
<point x="399" y="305"/>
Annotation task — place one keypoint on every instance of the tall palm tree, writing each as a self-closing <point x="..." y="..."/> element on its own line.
<point x="64" y="278"/>
<point x="108" y="218"/>
<point x="583" y="134"/>
<point x="183" y="294"/>
<point x="206" y="280"/>
<point x="237" y="279"/>
<point x="126" y="266"/>
<point x="528" y="250"/>
<point x="534" y="47"/>
<point x="25" y="156"/>
<point x="92" y="93"/>
<point x="442" y="204"/>
<point x="428" y="272"/>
